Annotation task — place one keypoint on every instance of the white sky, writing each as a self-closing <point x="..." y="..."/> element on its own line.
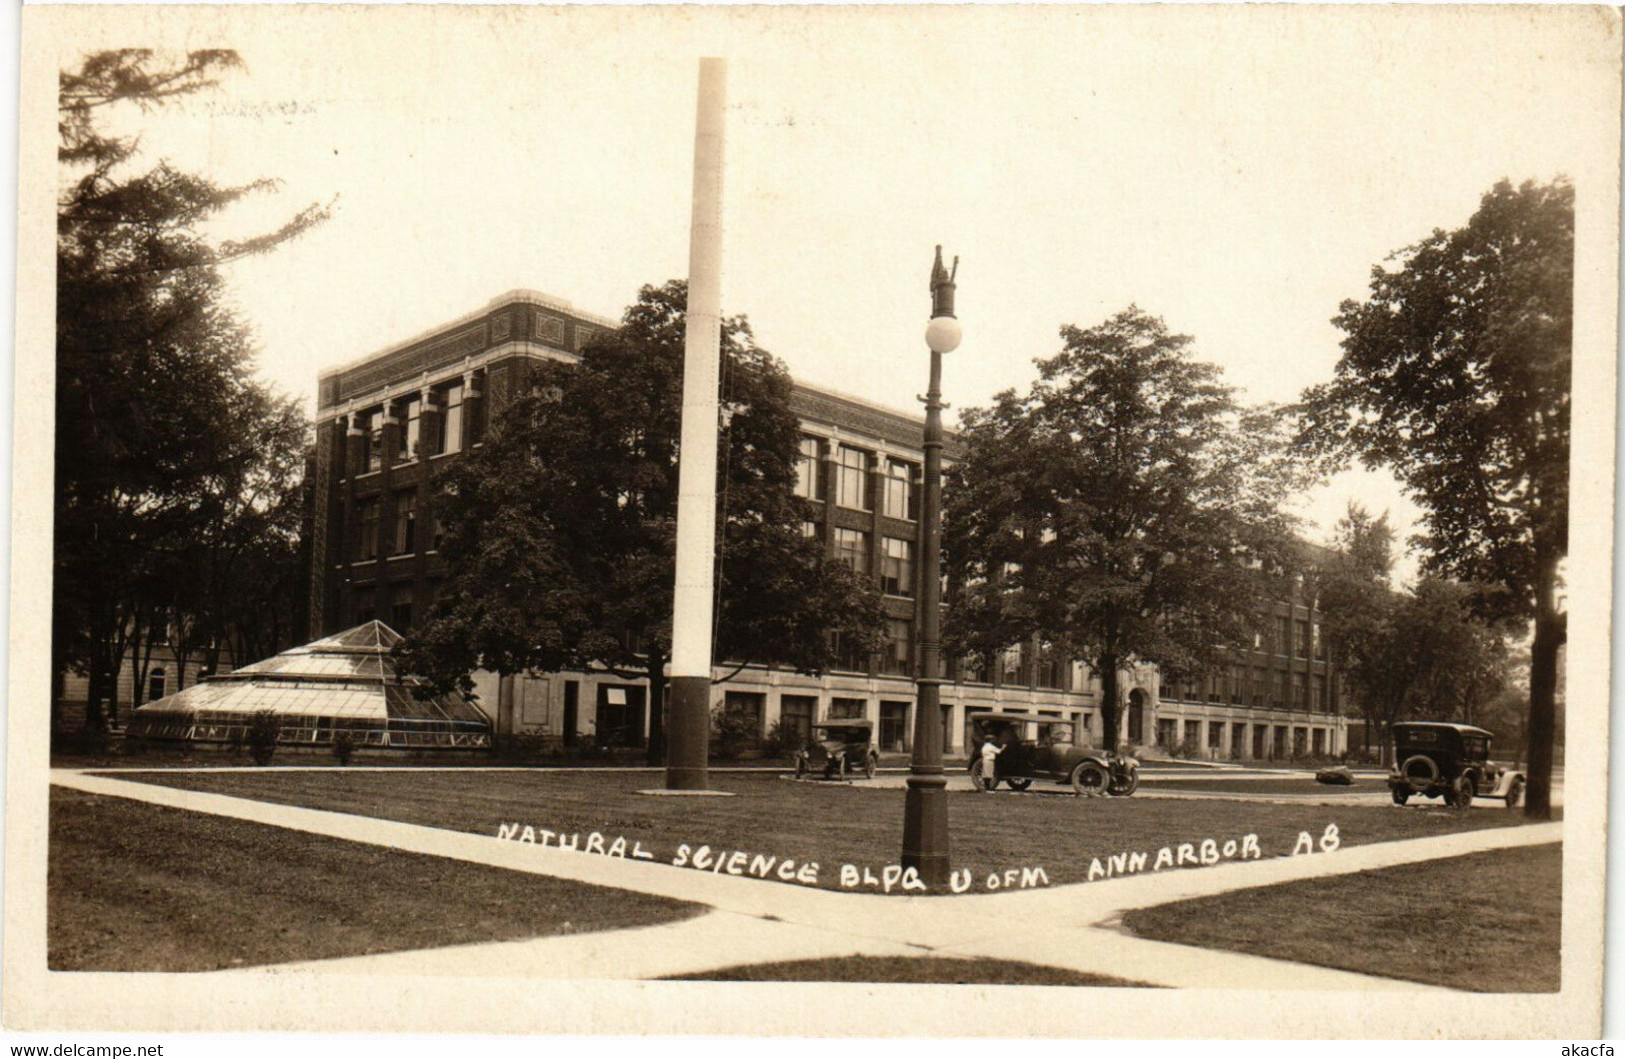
<point x="1237" y="172"/>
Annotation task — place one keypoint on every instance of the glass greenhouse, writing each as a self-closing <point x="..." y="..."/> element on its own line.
<point x="345" y="682"/>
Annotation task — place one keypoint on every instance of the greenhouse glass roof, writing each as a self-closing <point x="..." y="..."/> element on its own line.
<point x="345" y="682"/>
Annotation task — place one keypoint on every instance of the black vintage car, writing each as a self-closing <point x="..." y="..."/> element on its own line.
<point x="839" y="749"/>
<point x="1090" y="770"/>
<point x="1434" y="759"/>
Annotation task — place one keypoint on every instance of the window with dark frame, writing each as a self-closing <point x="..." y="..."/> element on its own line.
<point x="897" y="567"/>
<point x="899" y="499"/>
<point x="852" y="478"/>
<point x="451" y="422"/>
<point x="367" y="516"/>
<point x="406" y="521"/>
<point x="852" y="548"/>
<point x="807" y="478"/>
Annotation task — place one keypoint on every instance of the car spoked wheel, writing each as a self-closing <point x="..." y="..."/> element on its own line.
<point x="1515" y="794"/>
<point x="980" y="780"/>
<point x="1090" y="780"/>
<point x="1420" y="771"/>
<point x="1126" y="786"/>
<point x="1465" y="791"/>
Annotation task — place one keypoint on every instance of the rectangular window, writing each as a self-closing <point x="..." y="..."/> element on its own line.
<point x="899" y="656"/>
<point x="899" y="498"/>
<point x="974" y="668"/>
<point x="747" y="705"/>
<point x="894" y="732"/>
<point x="451" y="423"/>
<point x="897" y="567"/>
<point x="1283" y="636"/>
<point x="1320" y="702"/>
<point x="367" y="517"/>
<point x="809" y="529"/>
<point x="1010" y="666"/>
<point x="847" y="709"/>
<point x="852" y="548"/>
<point x="1302" y="698"/>
<point x="807" y="470"/>
<point x="1049" y="667"/>
<point x="374" y="422"/>
<point x="400" y="612"/>
<point x="1238" y="739"/>
<point x="1193" y="733"/>
<point x="852" y="478"/>
<point x="1320" y="645"/>
<point x="437" y="534"/>
<point x="406" y="521"/>
<point x="412" y="436"/>
<point x="796" y="718"/>
<point x="1301" y="645"/>
<point x="366" y="607"/>
<point x="1281" y="688"/>
<point x="1320" y="742"/>
<point x="848" y="656"/>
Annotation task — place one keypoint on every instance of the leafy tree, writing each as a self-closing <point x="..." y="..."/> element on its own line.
<point x="155" y="406"/>
<point x="1126" y="508"/>
<point x="560" y="529"/>
<point x="1456" y="374"/>
<point x="1356" y="603"/>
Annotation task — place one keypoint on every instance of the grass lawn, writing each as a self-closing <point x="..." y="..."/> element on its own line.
<point x="1290" y="786"/>
<point x="136" y="887"/>
<point x="1489" y="922"/>
<point x="832" y="824"/>
<point x="928" y="970"/>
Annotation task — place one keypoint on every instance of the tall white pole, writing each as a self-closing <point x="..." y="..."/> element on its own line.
<point x="689" y="733"/>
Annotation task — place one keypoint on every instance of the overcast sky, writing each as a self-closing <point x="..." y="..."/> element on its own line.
<point x="1236" y="171"/>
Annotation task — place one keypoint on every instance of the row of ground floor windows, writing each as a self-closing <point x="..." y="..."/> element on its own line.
<point x="1264" y="741"/>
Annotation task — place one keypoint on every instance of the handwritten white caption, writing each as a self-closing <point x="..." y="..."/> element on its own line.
<point x="1205" y="853"/>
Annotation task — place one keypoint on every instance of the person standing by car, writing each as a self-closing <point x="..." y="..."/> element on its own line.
<point x="990" y="755"/>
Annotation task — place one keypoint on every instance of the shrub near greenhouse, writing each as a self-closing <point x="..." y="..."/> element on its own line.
<point x="263" y="731"/>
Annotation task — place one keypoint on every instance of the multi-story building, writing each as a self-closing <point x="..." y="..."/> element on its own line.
<point x="385" y="423"/>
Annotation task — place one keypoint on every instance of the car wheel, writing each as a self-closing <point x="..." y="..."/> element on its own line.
<point x="1514" y="794"/>
<point x="1019" y="785"/>
<point x="1090" y="780"/>
<point x="1420" y="771"/>
<point x="1401" y="794"/>
<point x="1465" y="790"/>
<point x="979" y="779"/>
<point x="1124" y="788"/>
<point x="869" y="765"/>
<point x="801" y="767"/>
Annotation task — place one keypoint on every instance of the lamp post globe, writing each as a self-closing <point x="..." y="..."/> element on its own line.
<point x="942" y="334"/>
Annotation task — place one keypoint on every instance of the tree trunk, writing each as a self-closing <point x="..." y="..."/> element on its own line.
<point x="1551" y="631"/>
<point x="657" y="710"/>
<point x="1109" y="702"/>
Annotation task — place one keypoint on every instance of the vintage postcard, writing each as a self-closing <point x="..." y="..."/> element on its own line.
<point x="813" y="521"/>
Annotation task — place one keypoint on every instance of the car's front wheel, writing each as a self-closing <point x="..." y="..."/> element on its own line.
<point x="979" y="778"/>
<point x="1465" y="791"/>
<point x="1090" y="780"/>
<point x="1514" y="794"/>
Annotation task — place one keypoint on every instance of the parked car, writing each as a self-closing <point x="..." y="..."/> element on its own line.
<point x="1091" y="771"/>
<point x="838" y="749"/>
<point x="1450" y="761"/>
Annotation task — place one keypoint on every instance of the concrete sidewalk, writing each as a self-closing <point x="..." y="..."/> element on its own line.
<point x="756" y="921"/>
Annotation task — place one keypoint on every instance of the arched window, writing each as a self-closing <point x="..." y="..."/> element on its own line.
<point x="155" y="684"/>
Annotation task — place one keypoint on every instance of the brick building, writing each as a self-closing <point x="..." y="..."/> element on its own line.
<point x="386" y="421"/>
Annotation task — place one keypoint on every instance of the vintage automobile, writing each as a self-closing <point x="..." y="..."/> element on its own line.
<point x="1091" y="771"/>
<point x="839" y="748"/>
<point x="1435" y="759"/>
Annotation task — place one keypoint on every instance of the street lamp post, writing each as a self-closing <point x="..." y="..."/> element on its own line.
<point x="925" y="806"/>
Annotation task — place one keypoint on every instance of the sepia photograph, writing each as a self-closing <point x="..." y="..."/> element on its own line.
<point x="939" y="522"/>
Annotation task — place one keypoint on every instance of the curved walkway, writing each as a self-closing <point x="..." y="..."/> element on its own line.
<point x="756" y="921"/>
